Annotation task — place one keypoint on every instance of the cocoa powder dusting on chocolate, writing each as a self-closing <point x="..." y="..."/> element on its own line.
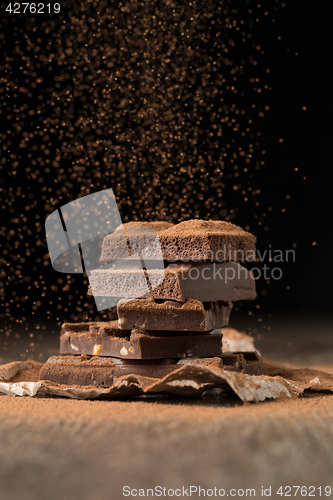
<point x="205" y="228"/>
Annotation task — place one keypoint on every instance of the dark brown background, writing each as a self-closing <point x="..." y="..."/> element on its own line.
<point x="54" y="448"/>
<point x="296" y="81"/>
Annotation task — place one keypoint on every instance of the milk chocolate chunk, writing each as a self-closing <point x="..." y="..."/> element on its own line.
<point x="136" y="239"/>
<point x="195" y="240"/>
<point x="125" y="281"/>
<point x="136" y="344"/>
<point x="83" y="327"/>
<point x="207" y="240"/>
<point x="192" y="315"/>
<point x="208" y="281"/>
<point x="102" y="372"/>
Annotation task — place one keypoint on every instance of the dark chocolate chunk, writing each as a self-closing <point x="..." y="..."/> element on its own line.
<point x="192" y="315"/>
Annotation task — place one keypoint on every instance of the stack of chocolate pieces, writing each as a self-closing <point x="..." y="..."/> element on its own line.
<point x="178" y="315"/>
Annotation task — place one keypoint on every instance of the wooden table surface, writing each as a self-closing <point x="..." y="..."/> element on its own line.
<point x="67" y="449"/>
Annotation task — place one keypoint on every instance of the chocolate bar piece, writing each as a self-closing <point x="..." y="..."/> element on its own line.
<point x="83" y="327"/>
<point x="192" y="240"/>
<point x="99" y="371"/>
<point x="137" y="344"/>
<point x="129" y="280"/>
<point x="136" y="239"/>
<point x="192" y="315"/>
<point x="205" y="282"/>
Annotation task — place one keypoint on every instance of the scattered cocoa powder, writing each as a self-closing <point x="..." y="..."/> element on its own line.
<point x="28" y="374"/>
